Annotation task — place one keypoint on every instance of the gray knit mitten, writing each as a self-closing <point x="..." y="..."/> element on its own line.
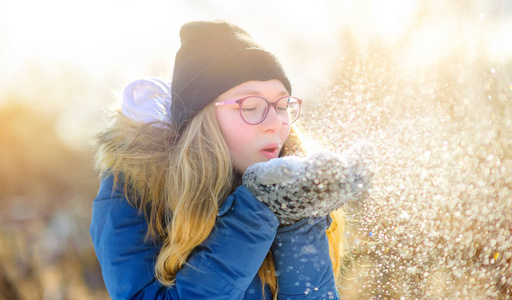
<point x="295" y="188"/>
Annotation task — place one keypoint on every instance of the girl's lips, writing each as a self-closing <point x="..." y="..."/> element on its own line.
<point x="270" y="151"/>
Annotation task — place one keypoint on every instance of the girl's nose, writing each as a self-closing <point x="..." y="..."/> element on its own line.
<point x="272" y="121"/>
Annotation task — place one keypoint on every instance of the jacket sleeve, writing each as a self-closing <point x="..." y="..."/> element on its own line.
<point x="303" y="265"/>
<point x="222" y="267"/>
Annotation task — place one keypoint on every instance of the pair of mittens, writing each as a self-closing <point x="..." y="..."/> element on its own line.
<point x="295" y="188"/>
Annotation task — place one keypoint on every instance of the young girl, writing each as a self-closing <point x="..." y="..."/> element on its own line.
<point x="200" y="197"/>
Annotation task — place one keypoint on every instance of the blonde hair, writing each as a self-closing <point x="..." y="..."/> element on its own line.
<point x="178" y="183"/>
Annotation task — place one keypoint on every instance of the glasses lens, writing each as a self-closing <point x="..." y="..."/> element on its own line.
<point x="288" y="109"/>
<point x="253" y="109"/>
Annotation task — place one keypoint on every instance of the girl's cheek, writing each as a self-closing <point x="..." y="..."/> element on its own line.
<point x="285" y="133"/>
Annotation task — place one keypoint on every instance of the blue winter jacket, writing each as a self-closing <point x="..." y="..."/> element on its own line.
<point x="224" y="266"/>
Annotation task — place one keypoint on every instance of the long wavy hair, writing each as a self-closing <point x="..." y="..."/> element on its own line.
<point x="179" y="180"/>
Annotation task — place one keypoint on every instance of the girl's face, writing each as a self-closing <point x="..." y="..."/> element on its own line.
<point x="250" y="144"/>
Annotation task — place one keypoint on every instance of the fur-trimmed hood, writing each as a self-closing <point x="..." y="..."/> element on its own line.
<point x="136" y="151"/>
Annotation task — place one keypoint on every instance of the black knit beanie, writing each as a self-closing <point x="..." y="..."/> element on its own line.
<point x="215" y="57"/>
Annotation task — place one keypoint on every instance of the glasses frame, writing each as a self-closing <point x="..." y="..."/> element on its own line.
<point x="269" y="104"/>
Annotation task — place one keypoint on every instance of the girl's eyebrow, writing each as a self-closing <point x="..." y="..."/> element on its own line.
<point x="257" y="93"/>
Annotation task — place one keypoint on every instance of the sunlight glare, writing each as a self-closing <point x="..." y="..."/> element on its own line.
<point x="429" y="44"/>
<point x="499" y="43"/>
<point x="391" y="18"/>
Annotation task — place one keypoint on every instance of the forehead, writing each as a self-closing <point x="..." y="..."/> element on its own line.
<point x="269" y="88"/>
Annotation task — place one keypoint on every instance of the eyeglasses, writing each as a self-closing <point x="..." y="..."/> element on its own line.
<point x="254" y="109"/>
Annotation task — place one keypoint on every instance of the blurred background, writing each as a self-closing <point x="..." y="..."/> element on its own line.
<point x="428" y="82"/>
